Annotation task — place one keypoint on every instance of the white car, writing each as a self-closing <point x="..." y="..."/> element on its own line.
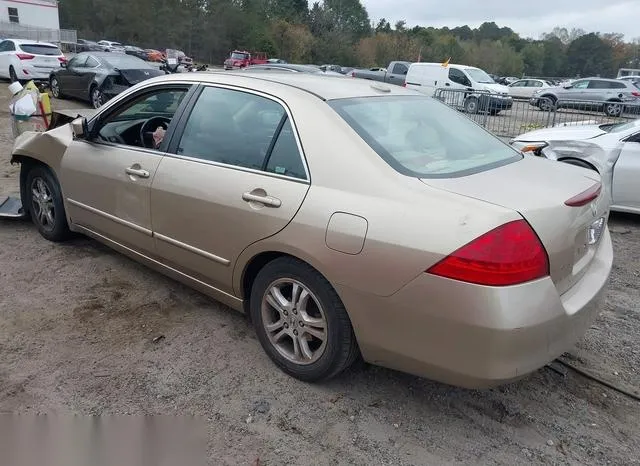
<point x="110" y="46"/>
<point x="24" y="60"/>
<point x="612" y="150"/>
<point x="524" y="88"/>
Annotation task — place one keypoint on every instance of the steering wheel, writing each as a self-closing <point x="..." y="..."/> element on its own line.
<point x="149" y="127"/>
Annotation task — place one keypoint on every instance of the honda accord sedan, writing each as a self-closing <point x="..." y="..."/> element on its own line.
<point x="347" y="218"/>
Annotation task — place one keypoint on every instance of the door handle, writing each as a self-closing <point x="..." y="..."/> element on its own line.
<point x="266" y="200"/>
<point x="137" y="172"/>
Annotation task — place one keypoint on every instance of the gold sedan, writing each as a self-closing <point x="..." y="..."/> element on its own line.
<point x="346" y="218"/>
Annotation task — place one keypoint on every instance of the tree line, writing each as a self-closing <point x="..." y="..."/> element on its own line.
<point x="340" y="32"/>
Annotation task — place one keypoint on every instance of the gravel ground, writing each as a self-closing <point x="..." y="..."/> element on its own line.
<point x="79" y="328"/>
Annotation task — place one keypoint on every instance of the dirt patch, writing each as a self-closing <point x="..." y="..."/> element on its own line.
<point x="85" y="330"/>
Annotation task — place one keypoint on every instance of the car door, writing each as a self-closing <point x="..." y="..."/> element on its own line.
<point x="519" y="89"/>
<point x="398" y="74"/>
<point x="107" y="176"/>
<point x="626" y="173"/>
<point x="598" y="90"/>
<point x="576" y="93"/>
<point x="86" y="75"/>
<point x="68" y="78"/>
<point x="457" y="81"/>
<point x="234" y="175"/>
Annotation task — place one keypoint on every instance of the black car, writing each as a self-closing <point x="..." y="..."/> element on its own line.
<point x="136" y="52"/>
<point x="98" y="76"/>
<point x="84" y="45"/>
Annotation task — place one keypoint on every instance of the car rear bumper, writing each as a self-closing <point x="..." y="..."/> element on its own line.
<point x="476" y="336"/>
<point x="30" y="72"/>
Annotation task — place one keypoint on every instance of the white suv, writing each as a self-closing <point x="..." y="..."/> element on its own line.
<point x="24" y="60"/>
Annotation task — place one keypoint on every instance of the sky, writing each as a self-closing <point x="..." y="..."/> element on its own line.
<point x="527" y="18"/>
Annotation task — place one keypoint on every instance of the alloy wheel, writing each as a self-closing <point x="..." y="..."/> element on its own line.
<point x="294" y="321"/>
<point x="55" y="88"/>
<point x="42" y="203"/>
<point x="97" y="98"/>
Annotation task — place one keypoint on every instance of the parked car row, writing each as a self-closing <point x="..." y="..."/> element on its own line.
<point x="152" y="55"/>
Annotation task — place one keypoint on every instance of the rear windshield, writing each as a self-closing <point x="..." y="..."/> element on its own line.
<point x="422" y="137"/>
<point x="39" y="49"/>
<point x="126" y="62"/>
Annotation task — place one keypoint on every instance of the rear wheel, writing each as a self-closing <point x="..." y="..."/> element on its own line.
<point x="301" y="322"/>
<point x="13" y="76"/>
<point x="96" y="96"/>
<point x="54" y="84"/>
<point x="45" y="204"/>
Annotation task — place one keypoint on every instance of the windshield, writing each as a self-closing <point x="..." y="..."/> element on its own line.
<point x="620" y="127"/>
<point x="422" y="137"/>
<point x="126" y="62"/>
<point x="239" y="56"/>
<point x="40" y="49"/>
<point x="479" y="76"/>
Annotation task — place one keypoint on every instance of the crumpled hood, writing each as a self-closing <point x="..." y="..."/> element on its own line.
<point x="562" y="134"/>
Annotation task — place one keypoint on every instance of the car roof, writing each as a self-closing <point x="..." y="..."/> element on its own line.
<point x="320" y="85"/>
<point x="34" y="42"/>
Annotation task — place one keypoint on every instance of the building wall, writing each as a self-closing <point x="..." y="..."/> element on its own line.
<point x="34" y="13"/>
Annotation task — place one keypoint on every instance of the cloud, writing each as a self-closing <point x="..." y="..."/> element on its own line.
<point x="526" y="18"/>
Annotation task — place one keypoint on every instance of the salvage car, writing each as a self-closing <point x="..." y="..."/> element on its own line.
<point x="136" y="52"/>
<point x="97" y="77"/>
<point x="613" y="150"/>
<point x="421" y="250"/>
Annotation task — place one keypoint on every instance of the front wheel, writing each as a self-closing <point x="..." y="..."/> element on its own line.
<point x="471" y="105"/>
<point x="301" y="322"/>
<point x="44" y="200"/>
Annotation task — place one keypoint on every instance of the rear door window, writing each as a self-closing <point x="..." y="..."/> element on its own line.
<point x="422" y="137"/>
<point x="239" y="128"/>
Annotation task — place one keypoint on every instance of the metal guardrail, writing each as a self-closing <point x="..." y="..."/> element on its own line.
<point x="507" y="117"/>
<point x="20" y="31"/>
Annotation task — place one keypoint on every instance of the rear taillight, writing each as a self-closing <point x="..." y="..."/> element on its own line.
<point x="507" y="255"/>
<point x="635" y="93"/>
<point x="585" y="197"/>
<point x="25" y="56"/>
<point x="404" y="84"/>
<point x="353" y="74"/>
<point x="62" y="59"/>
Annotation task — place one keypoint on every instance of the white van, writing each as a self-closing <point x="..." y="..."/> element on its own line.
<point x="458" y="83"/>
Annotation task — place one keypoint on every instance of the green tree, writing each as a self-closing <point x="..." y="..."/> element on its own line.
<point x="589" y="55"/>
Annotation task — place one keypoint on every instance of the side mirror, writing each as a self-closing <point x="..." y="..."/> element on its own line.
<point x="567" y="86"/>
<point x="79" y="127"/>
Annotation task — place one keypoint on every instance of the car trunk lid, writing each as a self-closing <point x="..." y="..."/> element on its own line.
<point x="540" y="190"/>
<point x="136" y="76"/>
<point x="41" y="56"/>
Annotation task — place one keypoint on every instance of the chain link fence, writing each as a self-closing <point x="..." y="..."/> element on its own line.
<point x="19" y="31"/>
<point x="507" y="117"/>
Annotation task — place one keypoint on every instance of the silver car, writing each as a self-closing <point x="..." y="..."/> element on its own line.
<point x="590" y="94"/>
<point x="613" y="150"/>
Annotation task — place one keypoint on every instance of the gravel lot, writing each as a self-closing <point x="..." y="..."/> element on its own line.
<point x="77" y="330"/>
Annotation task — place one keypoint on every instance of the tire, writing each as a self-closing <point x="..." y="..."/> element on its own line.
<point x="471" y="105"/>
<point x="44" y="195"/>
<point x="547" y="103"/>
<point x="331" y="349"/>
<point x="13" y="76"/>
<point x="613" y="109"/>
<point x="96" y="97"/>
<point x="54" y="84"/>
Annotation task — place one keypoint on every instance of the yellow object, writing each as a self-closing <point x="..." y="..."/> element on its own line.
<point x="446" y="63"/>
<point x="46" y="103"/>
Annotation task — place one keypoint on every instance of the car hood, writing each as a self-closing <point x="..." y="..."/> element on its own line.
<point x="562" y="133"/>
